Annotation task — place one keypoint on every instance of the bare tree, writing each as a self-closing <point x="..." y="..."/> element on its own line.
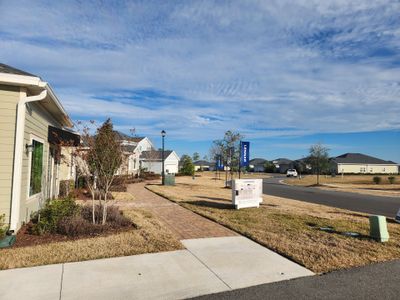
<point x="318" y="159"/>
<point x="84" y="156"/>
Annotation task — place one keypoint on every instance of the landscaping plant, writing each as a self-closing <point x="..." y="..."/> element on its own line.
<point x="187" y="166"/>
<point x="318" y="159"/>
<point x="377" y="179"/>
<point x="3" y="227"/>
<point x="392" y="179"/>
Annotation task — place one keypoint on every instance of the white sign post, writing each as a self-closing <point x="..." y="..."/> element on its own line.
<point x="246" y="193"/>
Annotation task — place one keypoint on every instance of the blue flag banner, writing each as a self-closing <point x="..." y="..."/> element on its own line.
<point x="244" y="154"/>
<point x="219" y="163"/>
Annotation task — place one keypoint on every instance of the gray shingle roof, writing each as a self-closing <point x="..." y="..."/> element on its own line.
<point x="257" y="161"/>
<point x="123" y="136"/>
<point x="11" y="70"/>
<point x="359" y="158"/>
<point x="154" y="154"/>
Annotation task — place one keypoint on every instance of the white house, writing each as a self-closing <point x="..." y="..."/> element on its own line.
<point x="357" y="163"/>
<point x="152" y="161"/>
<point x="132" y="148"/>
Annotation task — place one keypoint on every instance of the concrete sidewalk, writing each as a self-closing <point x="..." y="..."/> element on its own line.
<point x="209" y="265"/>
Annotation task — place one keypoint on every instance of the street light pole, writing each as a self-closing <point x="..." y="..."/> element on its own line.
<point x="163" y="133"/>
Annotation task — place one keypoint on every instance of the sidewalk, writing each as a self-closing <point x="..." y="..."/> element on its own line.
<point x="182" y="222"/>
<point x="209" y="265"/>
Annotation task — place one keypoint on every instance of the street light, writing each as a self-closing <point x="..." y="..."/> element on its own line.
<point x="163" y="133"/>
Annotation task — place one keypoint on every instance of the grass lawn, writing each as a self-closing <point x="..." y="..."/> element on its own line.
<point x="362" y="184"/>
<point x="150" y="236"/>
<point x="289" y="227"/>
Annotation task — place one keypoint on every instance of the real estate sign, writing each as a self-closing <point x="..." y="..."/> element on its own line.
<point x="246" y="193"/>
<point x="244" y="154"/>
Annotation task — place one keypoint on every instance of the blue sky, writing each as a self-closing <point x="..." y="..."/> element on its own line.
<point x="286" y="74"/>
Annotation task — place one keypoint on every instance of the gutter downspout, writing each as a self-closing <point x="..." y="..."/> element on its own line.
<point x="18" y="154"/>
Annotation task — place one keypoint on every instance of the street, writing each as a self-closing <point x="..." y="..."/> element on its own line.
<point x="377" y="205"/>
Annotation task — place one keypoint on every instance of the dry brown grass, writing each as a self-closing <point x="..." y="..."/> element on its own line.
<point x="289" y="227"/>
<point x="149" y="237"/>
<point x="362" y="184"/>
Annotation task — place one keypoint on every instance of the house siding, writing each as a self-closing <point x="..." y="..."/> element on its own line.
<point x="367" y="169"/>
<point x="37" y="122"/>
<point x="9" y="97"/>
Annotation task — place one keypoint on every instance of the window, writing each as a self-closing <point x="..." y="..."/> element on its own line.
<point x="35" y="184"/>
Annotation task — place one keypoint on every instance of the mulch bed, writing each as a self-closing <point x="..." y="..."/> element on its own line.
<point x="26" y="239"/>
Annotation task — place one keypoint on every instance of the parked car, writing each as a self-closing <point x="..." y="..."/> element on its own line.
<point x="291" y="173"/>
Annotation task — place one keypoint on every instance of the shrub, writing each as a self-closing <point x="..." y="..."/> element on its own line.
<point x="115" y="217"/>
<point x="377" y="179"/>
<point x="3" y="227"/>
<point x="47" y="218"/>
<point x="392" y="179"/>
<point x="187" y="166"/>
<point x="82" y="224"/>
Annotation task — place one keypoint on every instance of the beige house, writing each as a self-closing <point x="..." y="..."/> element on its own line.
<point x="357" y="163"/>
<point x="32" y="120"/>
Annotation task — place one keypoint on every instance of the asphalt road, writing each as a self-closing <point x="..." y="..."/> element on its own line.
<point x="386" y="206"/>
<point x="377" y="281"/>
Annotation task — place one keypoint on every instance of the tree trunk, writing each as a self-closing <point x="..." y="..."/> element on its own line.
<point x="93" y="209"/>
<point x="105" y="208"/>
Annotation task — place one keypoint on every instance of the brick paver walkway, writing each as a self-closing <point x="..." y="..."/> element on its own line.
<point x="181" y="221"/>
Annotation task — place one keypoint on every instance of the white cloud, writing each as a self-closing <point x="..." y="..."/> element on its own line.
<point x="251" y="66"/>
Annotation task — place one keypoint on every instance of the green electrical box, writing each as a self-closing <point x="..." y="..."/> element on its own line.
<point x="169" y="179"/>
<point x="378" y="228"/>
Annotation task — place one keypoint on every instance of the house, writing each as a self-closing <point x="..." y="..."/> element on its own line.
<point x="32" y="129"/>
<point x="152" y="161"/>
<point x="257" y="164"/>
<point x="132" y="147"/>
<point x="203" y="165"/>
<point x="282" y="164"/>
<point x="357" y="163"/>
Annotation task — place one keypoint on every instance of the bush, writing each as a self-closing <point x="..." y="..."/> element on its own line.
<point x="187" y="166"/>
<point x="3" y="227"/>
<point x="82" y="224"/>
<point x="114" y="215"/>
<point x="377" y="179"/>
<point x="392" y="179"/>
<point x="46" y="219"/>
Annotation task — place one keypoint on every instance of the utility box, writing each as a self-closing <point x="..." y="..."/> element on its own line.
<point x="169" y="179"/>
<point x="246" y="193"/>
<point x="378" y="228"/>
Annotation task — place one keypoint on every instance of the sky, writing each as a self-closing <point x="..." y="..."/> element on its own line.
<point x="285" y="74"/>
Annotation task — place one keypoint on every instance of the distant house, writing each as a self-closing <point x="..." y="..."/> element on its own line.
<point x="203" y="165"/>
<point x="132" y="148"/>
<point x="282" y="164"/>
<point x="32" y="131"/>
<point x="357" y="163"/>
<point x="257" y="164"/>
<point x="152" y="161"/>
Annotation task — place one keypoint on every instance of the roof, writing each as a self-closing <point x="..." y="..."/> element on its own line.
<point x="282" y="161"/>
<point x="10" y="70"/>
<point x="155" y="154"/>
<point x="257" y="161"/>
<point x="359" y="158"/>
<point x="123" y="136"/>
<point x="202" y="163"/>
<point x="128" y="148"/>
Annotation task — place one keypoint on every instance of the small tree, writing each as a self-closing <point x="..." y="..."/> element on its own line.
<point x="318" y="159"/>
<point x="187" y="165"/>
<point x="196" y="156"/>
<point x="106" y="157"/>
<point x="269" y="167"/>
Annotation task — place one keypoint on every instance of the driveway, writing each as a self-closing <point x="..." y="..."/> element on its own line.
<point x="377" y="205"/>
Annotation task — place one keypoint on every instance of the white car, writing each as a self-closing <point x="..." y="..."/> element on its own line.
<point x="291" y="173"/>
